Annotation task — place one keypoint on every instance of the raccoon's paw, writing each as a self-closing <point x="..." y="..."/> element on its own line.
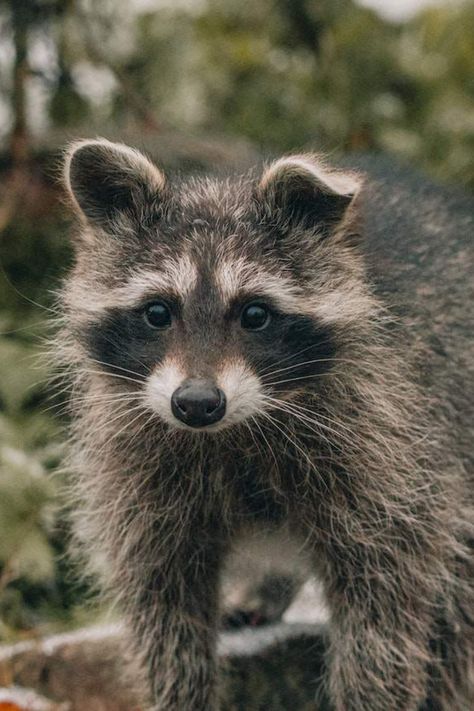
<point x="263" y="604"/>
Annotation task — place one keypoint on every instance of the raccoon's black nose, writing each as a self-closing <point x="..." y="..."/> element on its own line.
<point x="198" y="403"/>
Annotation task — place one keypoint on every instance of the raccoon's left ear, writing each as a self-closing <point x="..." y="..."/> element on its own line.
<point x="111" y="184"/>
<point x="301" y="190"/>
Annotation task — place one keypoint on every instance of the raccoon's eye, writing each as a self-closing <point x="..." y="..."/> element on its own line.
<point x="255" y="317"/>
<point x="157" y="315"/>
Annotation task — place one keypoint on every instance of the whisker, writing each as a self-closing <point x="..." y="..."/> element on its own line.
<point x="294" y="355"/>
<point x="117" y="344"/>
<point x="111" y="365"/>
<point x="105" y="426"/>
<point x="306" y="456"/>
<point x="293" y="380"/>
<point x="113" y="399"/>
<point x="112" y="375"/>
<point x="297" y="406"/>
<point x="25" y="328"/>
<point x="71" y="385"/>
<point x="292" y="442"/>
<point x="23" y="296"/>
<point x="346" y="361"/>
<point x="306" y="421"/>
<point x="298" y="365"/>
<point x="40" y="382"/>
<point x="252" y="435"/>
<point x="314" y="425"/>
<point x="145" y="424"/>
<point x="270" y="448"/>
<point x="129" y="423"/>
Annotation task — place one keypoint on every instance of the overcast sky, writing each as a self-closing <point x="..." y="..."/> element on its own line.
<point x="390" y="9"/>
<point x="402" y="9"/>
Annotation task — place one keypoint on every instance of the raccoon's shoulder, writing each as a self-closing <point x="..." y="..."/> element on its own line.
<point x="418" y="242"/>
<point x="417" y="236"/>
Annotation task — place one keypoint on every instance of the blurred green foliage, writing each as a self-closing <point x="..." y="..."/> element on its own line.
<point x="284" y="74"/>
<point x="30" y="450"/>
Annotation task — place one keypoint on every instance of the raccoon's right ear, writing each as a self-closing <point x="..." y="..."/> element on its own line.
<point x="301" y="190"/>
<point x="111" y="184"/>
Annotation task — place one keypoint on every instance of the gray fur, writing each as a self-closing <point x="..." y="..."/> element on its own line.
<point x="374" y="475"/>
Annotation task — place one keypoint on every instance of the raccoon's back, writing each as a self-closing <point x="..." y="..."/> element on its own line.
<point x="418" y="239"/>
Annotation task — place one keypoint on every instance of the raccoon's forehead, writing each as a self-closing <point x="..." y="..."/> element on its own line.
<point x="211" y="244"/>
<point x="219" y="273"/>
<point x="206" y="197"/>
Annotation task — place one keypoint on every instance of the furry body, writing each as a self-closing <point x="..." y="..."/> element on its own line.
<point x="348" y="421"/>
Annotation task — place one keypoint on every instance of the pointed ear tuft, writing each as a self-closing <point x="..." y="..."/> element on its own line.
<point x="301" y="190"/>
<point x="110" y="181"/>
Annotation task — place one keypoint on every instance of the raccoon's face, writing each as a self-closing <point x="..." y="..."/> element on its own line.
<point x="214" y="301"/>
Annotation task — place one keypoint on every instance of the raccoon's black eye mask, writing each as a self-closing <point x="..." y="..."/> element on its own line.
<point x="139" y="339"/>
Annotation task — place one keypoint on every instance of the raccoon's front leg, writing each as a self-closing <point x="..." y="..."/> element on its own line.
<point x="379" y="633"/>
<point x="173" y="620"/>
<point x="373" y="668"/>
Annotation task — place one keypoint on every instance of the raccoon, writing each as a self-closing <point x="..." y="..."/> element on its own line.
<point x="287" y="350"/>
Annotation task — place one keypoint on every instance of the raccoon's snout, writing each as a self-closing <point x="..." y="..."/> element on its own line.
<point x="198" y="403"/>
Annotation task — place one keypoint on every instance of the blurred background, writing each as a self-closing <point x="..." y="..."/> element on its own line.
<point x="199" y="84"/>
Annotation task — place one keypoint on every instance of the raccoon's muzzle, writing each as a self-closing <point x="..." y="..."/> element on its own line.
<point x="198" y="403"/>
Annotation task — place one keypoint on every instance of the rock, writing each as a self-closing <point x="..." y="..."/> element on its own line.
<point x="276" y="667"/>
<point x="17" y="699"/>
<point x="81" y="668"/>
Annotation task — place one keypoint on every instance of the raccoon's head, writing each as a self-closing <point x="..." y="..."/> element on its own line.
<point x="214" y="300"/>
